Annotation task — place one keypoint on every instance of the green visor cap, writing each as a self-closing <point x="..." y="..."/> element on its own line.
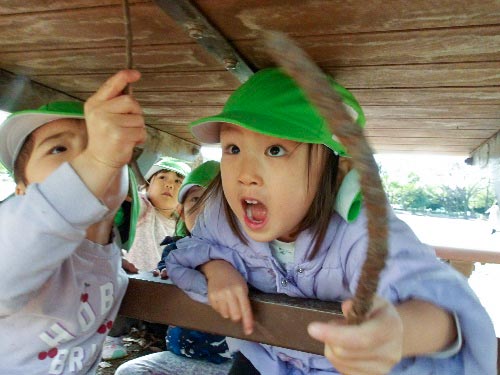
<point x="200" y="176"/>
<point x="16" y="128"/>
<point x="169" y="164"/>
<point x="128" y="214"/>
<point x="271" y="103"/>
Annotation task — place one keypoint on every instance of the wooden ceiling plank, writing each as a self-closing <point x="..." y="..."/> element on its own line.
<point x="427" y="76"/>
<point x="437" y="112"/>
<point x="428" y="96"/>
<point x="183" y="81"/>
<point x="473" y="134"/>
<point x="159" y="58"/>
<point x="422" y="47"/>
<point x="402" y="47"/>
<point x="375" y="112"/>
<point x="450" y="124"/>
<point x="424" y="148"/>
<point x="242" y="19"/>
<point x="424" y="141"/>
<point x="18" y="7"/>
<point x="418" y="97"/>
<point x="87" y="28"/>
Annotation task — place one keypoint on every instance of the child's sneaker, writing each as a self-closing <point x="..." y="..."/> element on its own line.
<point x="113" y="348"/>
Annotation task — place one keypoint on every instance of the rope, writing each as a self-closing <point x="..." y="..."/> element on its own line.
<point x="128" y="89"/>
<point x="128" y="42"/>
<point x="313" y="81"/>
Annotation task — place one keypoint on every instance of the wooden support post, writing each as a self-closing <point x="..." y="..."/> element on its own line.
<point x="280" y="320"/>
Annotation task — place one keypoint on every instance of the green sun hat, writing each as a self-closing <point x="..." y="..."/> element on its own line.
<point x="128" y="214"/>
<point x="272" y="103"/>
<point x="170" y="164"/>
<point x="16" y="127"/>
<point x="200" y="176"/>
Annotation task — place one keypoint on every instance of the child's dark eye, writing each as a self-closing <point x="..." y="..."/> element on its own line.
<point x="178" y="182"/>
<point x="194" y="199"/>
<point x="276" y="150"/>
<point x="58" y="149"/>
<point x="233" y="149"/>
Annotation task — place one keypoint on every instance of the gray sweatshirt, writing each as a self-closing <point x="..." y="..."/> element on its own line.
<point x="59" y="292"/>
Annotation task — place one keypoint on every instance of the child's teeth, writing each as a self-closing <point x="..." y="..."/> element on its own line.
<point x="249" y="213"/>
<point x="251" y="202"/>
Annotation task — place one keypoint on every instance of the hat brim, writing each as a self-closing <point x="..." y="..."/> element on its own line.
<point x="157" y="168"/>
<point x="207" y="129"/>
<point x="183" y="192"/>
<point x="16" y="128"/>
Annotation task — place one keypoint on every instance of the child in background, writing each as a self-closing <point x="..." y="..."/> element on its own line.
<point x="188" y="351"/>
<point x="271" y="217"/>
<point x="156" y="220"/>
<point x="158" y="214"/>
<point x="60" y="275"/>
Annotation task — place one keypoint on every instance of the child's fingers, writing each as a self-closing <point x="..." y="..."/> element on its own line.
<point x="123" y="104"/>
<point x="359" y="367"/>
<point x="115" y="85"/>
<point x="355" y="339"/>
<point x="234" y="309"/>
<point x="246" y="314"/>
<point x="219" y="304"/>
<point x="338" y="334"/>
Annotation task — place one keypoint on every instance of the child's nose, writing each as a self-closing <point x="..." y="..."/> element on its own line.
<point x="249" y="172"/>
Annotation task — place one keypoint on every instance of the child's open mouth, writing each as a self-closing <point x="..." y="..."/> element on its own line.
<point x="255" y="213"/>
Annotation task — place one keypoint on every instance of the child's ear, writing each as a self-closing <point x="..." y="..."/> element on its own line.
<point x="20" y="188"/>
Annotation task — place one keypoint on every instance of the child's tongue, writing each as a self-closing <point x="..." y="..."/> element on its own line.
<point x="256" y="212"/>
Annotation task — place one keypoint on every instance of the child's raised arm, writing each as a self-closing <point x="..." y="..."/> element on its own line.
<point x="115" y="125"/>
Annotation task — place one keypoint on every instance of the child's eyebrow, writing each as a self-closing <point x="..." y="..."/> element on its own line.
<point x="230" y="128"/>
<point x="56" y="136"/>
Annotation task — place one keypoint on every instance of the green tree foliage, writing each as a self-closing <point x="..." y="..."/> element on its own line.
<point x="470" y="194"/>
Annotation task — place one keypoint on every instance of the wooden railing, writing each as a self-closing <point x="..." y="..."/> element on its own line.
<point x="154" y="300"/>
<point x="468" y="255"/>
<point x="280" y="320"/>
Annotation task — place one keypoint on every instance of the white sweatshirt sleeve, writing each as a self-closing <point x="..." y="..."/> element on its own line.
<point x="39" y="230"/>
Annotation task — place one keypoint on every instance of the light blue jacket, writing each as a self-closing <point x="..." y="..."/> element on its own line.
<point x="412" y="271"/>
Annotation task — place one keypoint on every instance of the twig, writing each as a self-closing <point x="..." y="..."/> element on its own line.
<point x="314" y="82"/>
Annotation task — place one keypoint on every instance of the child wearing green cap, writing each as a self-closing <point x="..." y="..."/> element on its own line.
<point x="60" y="277"/>
<point x="156" y="219"/>
<point x="158" y="211"/>
<point x="270" y="219"/>
<point x="188" y="351"/>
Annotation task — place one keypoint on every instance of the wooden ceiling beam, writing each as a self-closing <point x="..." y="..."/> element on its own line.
<point x="19" y="92"/>
<point x="200" y="29"/>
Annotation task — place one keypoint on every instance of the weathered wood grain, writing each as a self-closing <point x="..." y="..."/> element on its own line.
<point x="240" y="19"/>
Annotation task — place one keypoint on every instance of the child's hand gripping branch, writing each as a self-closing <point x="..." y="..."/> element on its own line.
<point x="389" y="333"/>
